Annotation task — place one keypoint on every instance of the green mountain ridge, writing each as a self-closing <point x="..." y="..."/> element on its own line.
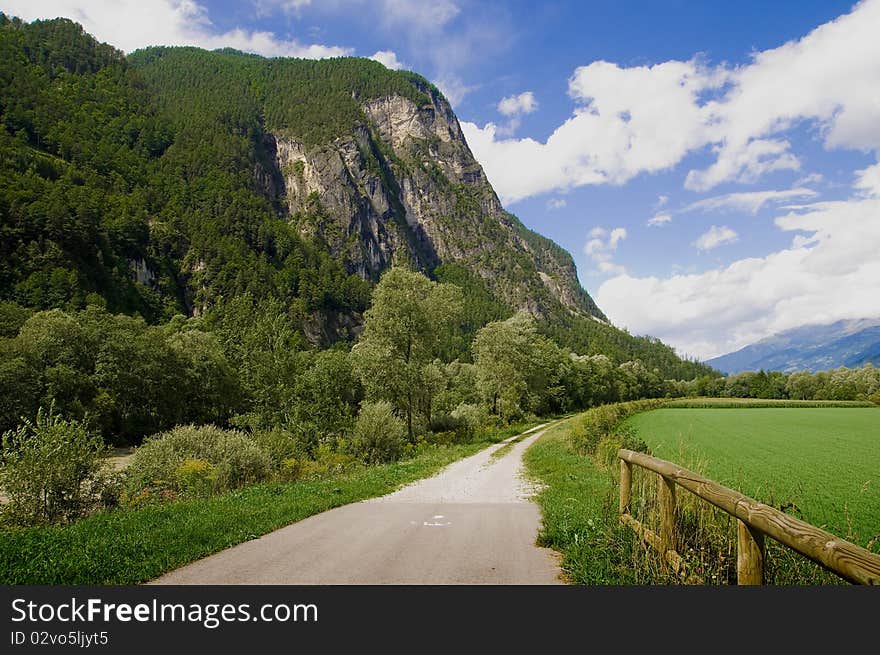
<point x="174" y="179"/>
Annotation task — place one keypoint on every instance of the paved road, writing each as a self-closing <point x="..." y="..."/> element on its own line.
<point x="470" y="524"/>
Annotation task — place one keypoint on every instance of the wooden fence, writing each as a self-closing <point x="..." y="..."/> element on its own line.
<point x="754" y="520"/>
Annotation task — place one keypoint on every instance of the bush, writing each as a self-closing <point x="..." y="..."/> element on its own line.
<point x="476" y="416"/>
<point x="234" y="457"/>
<point x="600" y="422"/>
<point x="196" y="477"/>
<point x="280" y="445"/>
<point x="328" y="461"/>
<point x="51" y="471"/>
<point x="450" y="429"/>
<point x="290" y="469"/>
<point x="379" y="435"/>
<point x="623" y="437"/>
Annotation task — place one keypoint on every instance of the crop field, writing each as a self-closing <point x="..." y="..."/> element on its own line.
<point x="820" y="464"/>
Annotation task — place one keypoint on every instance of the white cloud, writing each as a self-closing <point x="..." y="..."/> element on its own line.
<point x="418" y="15"/>
<point x="812" y="178"/>
<point x="715" y="236"/>
<point x="414" y="15"/>
<point x="453" y="88"/>
<point x="132" y="24"/>
<point x="744" y="164"/>
<point x="829" y="273"/>
<point x="600" y="248"/>
<point x="659" y="219"/>
<point x="646" y="119"/>
<point x="556" y="203"/>
<point x="287" y="6"/>
<point x="868" y="181"/>
<point x="661" y="201"/>
<point x="388" y="58"/>
<point x="750" y="201"/>
<point x="524" y="103"/>
<point x="612" y="136"/>
<point x="514" y="107"/>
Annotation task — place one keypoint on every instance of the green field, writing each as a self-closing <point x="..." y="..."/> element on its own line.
<point x="821" y="464"/>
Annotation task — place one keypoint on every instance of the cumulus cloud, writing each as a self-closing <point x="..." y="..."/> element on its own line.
<point x="524" y="103"/>
<point x="132" y="24"/>
<point x="659" y="219"/>
<point x="715" y="236"/>
<point x="388" y="58"/>
<point x="829" y="273"/>
<point x="600" y="248"/>
<point x="868" y="181"/>
<point x="515" y="107"/>
<point x="612" y="136"/>
<point x="556" y="203"/>
<point x="749" y="201"/>
<point x="644" y="119"/>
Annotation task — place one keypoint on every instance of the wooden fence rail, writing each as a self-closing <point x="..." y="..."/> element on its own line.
<point x="754" y="521"/>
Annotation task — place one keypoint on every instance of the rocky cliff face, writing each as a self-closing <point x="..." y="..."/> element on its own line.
<point x="405" y="186"/>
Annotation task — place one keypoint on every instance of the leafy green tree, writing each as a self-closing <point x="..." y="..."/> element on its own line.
<point x="402" y="334"/>
<point x="508" y="363"/>
<point x="325" y="398"/>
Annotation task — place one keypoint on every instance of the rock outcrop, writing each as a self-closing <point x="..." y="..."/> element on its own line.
<point x="405" y="185"/>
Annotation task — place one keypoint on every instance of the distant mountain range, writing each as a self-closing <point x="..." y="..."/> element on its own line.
<point x="811" y="347"/>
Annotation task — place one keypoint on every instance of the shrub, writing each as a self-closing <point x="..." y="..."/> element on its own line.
<point x="236" y="459"/>
<point x="290" y="469"/>
<point x="379" y="435"/>
<point x="624" y="436"/>
<point x="450" y="429"/>
<point x="600" y="422"/>
<point x="51" y="470"/>
<point x="476" y="416"/>
<point x="196" y="477"/>
<point x="280" y="445"/>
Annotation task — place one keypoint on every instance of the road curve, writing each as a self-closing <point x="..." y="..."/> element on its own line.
<point x="472" y="523"/>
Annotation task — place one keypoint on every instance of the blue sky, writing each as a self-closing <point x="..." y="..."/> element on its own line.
<point x="711" y="166"/>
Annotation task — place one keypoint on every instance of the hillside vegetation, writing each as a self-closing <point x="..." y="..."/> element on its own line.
<point x="139" y="185"/>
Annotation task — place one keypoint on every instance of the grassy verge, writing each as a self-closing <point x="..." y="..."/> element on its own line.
<point x="506" y="448"/>
<point x="133" y="546"/>
<point x="578" y="505"/>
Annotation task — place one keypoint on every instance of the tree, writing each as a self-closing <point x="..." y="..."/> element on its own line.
<point x="402" y="334"/>
<point x="325" y="397"/>
<point x="513" y="363"/>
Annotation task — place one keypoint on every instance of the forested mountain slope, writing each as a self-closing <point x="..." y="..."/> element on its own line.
<point x="175" y="179"/>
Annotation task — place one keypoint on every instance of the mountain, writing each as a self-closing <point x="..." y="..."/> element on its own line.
<point x="851" y="343"/>
<point x="171" y="180"/>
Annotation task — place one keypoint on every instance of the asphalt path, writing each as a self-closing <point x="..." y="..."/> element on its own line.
<point x="472" y="523"/>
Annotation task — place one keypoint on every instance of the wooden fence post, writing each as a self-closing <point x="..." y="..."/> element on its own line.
<point x="749" y="555"/>
<point x="625" y="486"/>
<point x="666" y="492"/>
